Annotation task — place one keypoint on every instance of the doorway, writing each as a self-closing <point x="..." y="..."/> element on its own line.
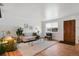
<point x="69" y="32"/>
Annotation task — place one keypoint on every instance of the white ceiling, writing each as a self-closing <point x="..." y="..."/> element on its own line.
<point x="63" y="9"/>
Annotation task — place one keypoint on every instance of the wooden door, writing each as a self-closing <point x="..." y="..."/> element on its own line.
<point x="69" y="31"/>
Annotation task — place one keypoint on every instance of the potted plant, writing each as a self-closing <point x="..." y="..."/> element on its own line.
<point x="19" y="32"/>
<point x="2" y="46"/>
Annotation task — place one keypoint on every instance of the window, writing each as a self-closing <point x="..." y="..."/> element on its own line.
<point x="52" y="27"/>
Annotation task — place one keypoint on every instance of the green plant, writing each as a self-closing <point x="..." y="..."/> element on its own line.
<point x="2" y="47"/>
<point x="1" y="39"/>
<point x="19" y="31"/>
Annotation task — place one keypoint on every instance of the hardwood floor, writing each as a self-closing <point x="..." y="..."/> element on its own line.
<point x="12" y="53"/>
<point x="58" y="49"/>
<point x="61" y="49"/>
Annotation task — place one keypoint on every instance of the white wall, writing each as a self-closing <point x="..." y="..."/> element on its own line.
<point x="72" y="12"/>
<point x="58" y="10"/>
<point x="51" y="11"/>
<point x="59" y="35"/>
<point x="66" y="9"/>
<point x="65" y="12"/>
<point x="17" y="14"/>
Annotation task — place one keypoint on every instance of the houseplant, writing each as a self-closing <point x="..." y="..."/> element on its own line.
<point x="19" y="32"/>
<point x="2" y="47"/>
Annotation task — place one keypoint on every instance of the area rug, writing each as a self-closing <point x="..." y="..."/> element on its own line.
<point x="37" y="46"/>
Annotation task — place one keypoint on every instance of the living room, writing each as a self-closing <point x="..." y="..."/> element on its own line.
<point x="41" y="24"/>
